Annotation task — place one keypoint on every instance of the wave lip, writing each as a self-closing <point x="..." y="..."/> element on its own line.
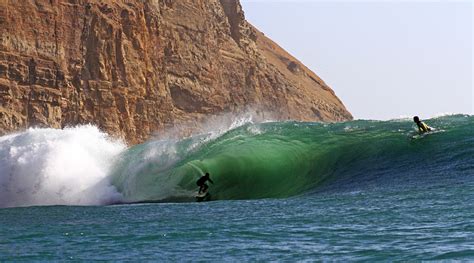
<point x="84" y="166"/>
<point x="282" y="159"/>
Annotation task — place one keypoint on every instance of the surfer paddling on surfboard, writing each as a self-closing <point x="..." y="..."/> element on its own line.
<point x="422" y="127"/>
<point x="201" y="182"/>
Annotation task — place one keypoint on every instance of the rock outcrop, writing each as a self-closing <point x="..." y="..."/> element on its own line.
<point x="135" y="67"/>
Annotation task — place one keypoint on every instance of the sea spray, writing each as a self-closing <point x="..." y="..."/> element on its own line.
<point x="57" y="167"/>
<point x="246" y="160"/>
<point x="282" y="159"/>
<point x="148" y="172"/>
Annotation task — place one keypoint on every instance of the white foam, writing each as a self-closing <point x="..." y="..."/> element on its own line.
<point x="149" y="174"/>
<point x="57" y="167"/>
<point x="72" y="166"/>
<point x="444" y="114"/>
<point x="403" y="118"/>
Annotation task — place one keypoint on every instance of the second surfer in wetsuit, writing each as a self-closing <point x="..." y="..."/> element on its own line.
<point x="422" y="127"/>
<point x="201" y="182"/>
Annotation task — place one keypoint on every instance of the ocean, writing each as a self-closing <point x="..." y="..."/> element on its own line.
<point x="283" y="191"/>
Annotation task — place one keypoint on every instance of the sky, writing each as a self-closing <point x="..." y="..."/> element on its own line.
<point x="384" y="59"/>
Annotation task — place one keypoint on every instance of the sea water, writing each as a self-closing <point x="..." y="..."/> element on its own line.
<point x="290" y="191"/>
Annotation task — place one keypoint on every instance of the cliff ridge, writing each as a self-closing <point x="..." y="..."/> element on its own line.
<point x="135" y="67"/>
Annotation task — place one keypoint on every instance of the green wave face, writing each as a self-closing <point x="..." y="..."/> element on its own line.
<point x="282" y="159"/>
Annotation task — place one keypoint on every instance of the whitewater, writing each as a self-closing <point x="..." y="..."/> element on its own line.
<point x="283" y="191"/>
<point x="84" y="166"/>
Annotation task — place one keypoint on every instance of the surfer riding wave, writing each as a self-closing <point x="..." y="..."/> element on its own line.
<point x="201" y="182"/>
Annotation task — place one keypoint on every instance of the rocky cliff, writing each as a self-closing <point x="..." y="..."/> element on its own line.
<point x="135" y="67"/>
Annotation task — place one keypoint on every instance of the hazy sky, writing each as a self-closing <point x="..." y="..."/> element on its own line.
<point x="384" y="59"/>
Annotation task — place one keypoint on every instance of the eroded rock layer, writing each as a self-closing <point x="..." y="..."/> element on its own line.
<point x="135" y="67"/>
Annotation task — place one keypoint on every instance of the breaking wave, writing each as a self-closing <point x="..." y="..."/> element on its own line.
<point x="83" y="166"/>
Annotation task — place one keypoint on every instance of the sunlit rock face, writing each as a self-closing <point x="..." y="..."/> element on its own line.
<point x="137" y="67"/>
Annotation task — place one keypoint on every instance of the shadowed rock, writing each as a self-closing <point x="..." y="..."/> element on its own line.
<point x="137" y="67"/>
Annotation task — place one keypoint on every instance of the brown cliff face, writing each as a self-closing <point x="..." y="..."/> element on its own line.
<point x="135" y="67"/>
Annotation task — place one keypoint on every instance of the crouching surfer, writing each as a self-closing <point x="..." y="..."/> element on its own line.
<point x="201" y="182"/>
<point x="203" y="194"/>
<point x="422" y="127"/>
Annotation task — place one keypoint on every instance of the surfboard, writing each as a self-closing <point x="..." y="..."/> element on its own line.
<point x="202" y="197"/>
<point x="422" y="135"/>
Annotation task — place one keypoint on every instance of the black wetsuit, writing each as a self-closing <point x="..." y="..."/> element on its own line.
<point x="201" y="182"/>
